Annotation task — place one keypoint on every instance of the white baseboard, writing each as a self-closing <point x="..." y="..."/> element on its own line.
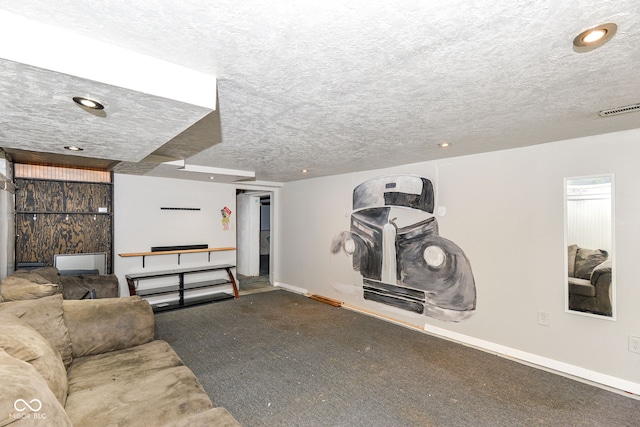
<point x="598" y="379"/>
<point x="619" y="385"/>
<point x="291" y="288"/>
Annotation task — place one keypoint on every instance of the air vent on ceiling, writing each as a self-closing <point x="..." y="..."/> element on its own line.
<point x="620" y="110"/>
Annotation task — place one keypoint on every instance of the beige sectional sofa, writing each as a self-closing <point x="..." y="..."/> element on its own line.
<point x="94" y="363"/>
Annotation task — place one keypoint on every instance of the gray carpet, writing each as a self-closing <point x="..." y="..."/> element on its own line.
<point x="279" y="359"/>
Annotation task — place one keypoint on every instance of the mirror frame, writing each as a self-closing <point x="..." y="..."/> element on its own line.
<point x="612" y="255"/>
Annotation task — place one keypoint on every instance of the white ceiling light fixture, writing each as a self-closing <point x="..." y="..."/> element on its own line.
<point x="88" y="103"/>
<point x="73" y="148"/>
<point x="594" y="37"/>
<point x="444" y="144"/>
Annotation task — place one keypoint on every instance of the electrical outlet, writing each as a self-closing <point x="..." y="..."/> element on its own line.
<point x="634" y="344"/>
<point x="543" y="318"/>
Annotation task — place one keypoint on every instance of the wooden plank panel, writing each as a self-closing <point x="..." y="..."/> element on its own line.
<point x="83" y="197"/>
<point x="39" y="196"/>
<point x="39" y="239"/>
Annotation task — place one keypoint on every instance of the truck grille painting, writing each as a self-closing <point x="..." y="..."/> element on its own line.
<point x="394" y="243"/>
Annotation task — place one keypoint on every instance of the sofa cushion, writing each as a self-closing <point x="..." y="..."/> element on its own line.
<point x="103" y="325"/>
<point x="76" y="286"/>
<point x="51" y="274"/>
<point x="32" y="276"/>
<point x="581" y="287"/>
<point x="45" y="316"/>
<point x="587" y="260"/>
<point x="14" y="288"/>
<point x="25" y="343"/>
<point x="572" y="251"/>
<point x="158" y="397"/>
<point x="22" y="385"/>
<point x="92" y="371"/>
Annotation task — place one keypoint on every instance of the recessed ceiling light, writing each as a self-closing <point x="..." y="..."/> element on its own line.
<point x="212" y="177"/>
<point x="304" y="171"/>
<point x="73" y="148"/>
<point x="595" y="37"/>
<point x="444" y="145"/>
<point x="88" y="103"/>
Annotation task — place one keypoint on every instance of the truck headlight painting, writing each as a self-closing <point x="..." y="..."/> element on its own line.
<point x="395" y="245"/>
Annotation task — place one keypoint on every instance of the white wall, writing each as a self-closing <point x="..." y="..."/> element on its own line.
<point x="505" y="210"/>
<point x="139" y="223"/>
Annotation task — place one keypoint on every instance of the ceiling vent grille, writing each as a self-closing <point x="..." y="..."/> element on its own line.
<point x="620" y="110"/>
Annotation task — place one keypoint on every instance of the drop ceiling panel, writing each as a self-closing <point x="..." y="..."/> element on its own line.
<point x="38" y="114"/>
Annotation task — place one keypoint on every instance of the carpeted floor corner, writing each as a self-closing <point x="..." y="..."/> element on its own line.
<point x="281" y="359"/>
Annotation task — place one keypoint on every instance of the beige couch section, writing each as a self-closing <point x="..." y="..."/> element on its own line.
<point x="94" y="362"/>
<point x="45" y="281"/>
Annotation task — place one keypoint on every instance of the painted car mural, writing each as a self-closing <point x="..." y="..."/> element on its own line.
<point x="394" y="243"/>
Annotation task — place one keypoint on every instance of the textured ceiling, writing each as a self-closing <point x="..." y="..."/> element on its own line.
<point x="331" y="86"/>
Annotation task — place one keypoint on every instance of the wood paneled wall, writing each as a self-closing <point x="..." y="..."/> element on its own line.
<point x="61" y="217"/>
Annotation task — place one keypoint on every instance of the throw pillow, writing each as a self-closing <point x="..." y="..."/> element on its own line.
<point x="587" y="260"/>
<point x="25" y="343"/>
<point x="45" y="316"/>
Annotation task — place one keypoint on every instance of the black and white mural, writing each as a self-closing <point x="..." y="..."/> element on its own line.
<point x="394" y="243"/>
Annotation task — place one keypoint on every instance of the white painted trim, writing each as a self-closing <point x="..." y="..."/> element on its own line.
<point x="291" y="288"/>
<point x="62" y="51"/>
<point x="209" y="170"/>
<point x="614" y="384"/>
<point x="259" y="185"/>
<point x="608" y="382"/>
<point x="627" y="388"/>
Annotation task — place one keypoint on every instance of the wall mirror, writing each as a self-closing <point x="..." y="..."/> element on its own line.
<point x="589" y="243"/>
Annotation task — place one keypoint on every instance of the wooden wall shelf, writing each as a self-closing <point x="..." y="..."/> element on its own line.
<point x="178" y="252"/>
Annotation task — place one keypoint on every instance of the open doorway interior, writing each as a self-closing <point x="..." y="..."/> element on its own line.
<point x="265" y="234"/>
<point x="254" y="240"/>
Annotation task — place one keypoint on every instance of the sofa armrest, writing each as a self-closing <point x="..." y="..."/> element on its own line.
<point x="601" y="276"/>
<point x="103" y="325"/>
<point x="601" y="280"/>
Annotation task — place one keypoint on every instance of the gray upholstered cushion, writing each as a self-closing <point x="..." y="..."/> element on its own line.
<point x="49" y="274"/>
<point x="587" y="260"/>
<point x="21" y="287"/>
<point x="152" y="397"/>
<point x="102" y="325"/>
<point x="91" y="371"/>
<point x="572" y="251"/>
<point x="45" y="316"/>
<point x="76" y="287"/>
<point x="25" y="343"/>
<point x="581" y="287"/>
<point x="21" y="383"/>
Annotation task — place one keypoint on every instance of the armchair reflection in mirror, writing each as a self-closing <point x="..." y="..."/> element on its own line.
<point x="590" y="286"/>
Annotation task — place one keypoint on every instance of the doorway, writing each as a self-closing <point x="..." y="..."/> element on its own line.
<point x="254" y="238"/>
